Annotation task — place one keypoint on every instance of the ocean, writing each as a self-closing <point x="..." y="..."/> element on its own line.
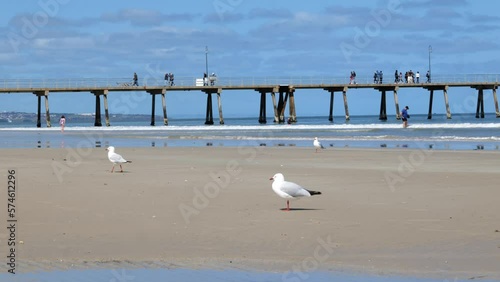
<point x="462" y="132"/>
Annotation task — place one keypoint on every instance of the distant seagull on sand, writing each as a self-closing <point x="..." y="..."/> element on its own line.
<point x="115" y="158"/>
<point x="317" y="144"/>
<point x="289" y="190"/>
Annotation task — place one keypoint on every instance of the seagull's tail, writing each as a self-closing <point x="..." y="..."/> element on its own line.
<point x="322" y="147"/>
<point x="314" y="192"/>
<point x="128" y="161"/>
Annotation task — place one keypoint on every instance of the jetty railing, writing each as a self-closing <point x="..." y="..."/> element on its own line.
<point x="61" y="83"/>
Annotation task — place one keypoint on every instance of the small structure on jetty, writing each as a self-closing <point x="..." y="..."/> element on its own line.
<point x="285" y="88"/>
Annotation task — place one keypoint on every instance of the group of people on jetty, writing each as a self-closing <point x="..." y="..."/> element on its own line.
<point x="409" y="77"/>
<point x="169" y="79"/>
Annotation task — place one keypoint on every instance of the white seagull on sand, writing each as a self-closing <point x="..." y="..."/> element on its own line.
<point x="115" y="158"/>
<point x="289" y="190"/>
<point x="317" y="144"/>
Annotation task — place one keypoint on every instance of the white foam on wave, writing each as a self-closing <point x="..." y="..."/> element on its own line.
<point x="295" y="127"/>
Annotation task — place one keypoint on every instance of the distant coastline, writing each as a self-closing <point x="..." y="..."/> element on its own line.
<point x="23" y="117"/>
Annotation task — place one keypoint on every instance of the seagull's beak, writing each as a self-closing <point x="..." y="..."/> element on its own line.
<point x="272" y="178"/>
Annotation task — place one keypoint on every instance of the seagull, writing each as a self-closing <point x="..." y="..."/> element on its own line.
<point x="317" y="144"/>
<point x="289" y="190"/>
<point x="115" y="158"/>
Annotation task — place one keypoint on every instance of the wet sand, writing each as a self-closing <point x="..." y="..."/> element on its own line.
<point x="384" y="211"/>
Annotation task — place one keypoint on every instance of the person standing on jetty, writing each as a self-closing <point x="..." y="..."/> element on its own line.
<point x="135" y="80"/>
<point x="62" y="122"/>
<point x="405" y="116"/>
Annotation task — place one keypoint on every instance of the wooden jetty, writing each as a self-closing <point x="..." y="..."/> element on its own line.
<point x="285" y="88"/>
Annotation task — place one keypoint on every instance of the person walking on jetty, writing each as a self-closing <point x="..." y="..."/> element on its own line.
<point x="405" y="116"/>
<point x="62" y="122"/>
<point x="135" y="80"/>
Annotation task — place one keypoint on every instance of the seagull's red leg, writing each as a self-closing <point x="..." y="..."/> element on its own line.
<point x="121" y="168"/>
<point x="113" y="168"/>
<point x="287" y="205"/>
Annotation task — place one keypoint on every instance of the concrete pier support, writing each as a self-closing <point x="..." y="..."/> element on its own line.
<point x="153" y="102"/>
<point x="153" y="94"/>
<point x="396" y="103"/>
<point x="383" y="107"/>
<point x="330" y="115"/>
<point x="262" y="113"/>
<point x="346" y="106"/>
<point x="106" y="110"/>
<point x="39" y="95"/>
<point x="446" y="102"/>
<point x="164" y="105"/>
<point x="291" y="106"/>
<point x="97" y="121"/>
<point x="431" y="99"/>
<point x="480" y="104"/>
<point x="283" y="107"/>
<point x="275" y="107"/>
<point x="497" y="111"/>
<point x="282" y="101"/>
<point x="209" y="119"/>
<point x="433" y="88"/>
<point x="38" y="115"/>
<point x="332" y="91"/>
<point x="98" y="94"/>
<point x="47" y="112"/>
<point x="219" y="103"/>
<point x="383" y="100"/>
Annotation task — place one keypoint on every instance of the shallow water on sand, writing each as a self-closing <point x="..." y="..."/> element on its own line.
<point x="152" y="275"/>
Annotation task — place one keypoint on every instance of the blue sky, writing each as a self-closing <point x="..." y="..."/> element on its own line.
<point x="54" y="39"/>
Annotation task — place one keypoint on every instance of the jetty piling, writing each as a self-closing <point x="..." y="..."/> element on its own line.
<point x="97" y="94"/>
<point x="39" y="95"/>
<point x="346" y="107"/>
<point x="431" y="98"/>
<point x="480" y="104"/>
<point x="396" y="102"/>
<point x="262" y="112"/>
<point x="164" y="105"/>
<point x="209" y="119"/>
<point x="106" y="110"/>
<point x="497" y="111"/>
<point x="291" y="105"/>
<point x="383" y="109"/>
<point x="275" y="107"/>
<point x="440" y="87"/>
<point x="332" y="94"/>
<point x="219" y="103"/>
<point x="153" y="94"/>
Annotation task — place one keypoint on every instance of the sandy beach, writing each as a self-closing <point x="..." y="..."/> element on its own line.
<point x="384" y="211"/>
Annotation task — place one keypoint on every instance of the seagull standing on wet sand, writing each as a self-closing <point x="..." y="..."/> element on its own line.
<point x="289" y="190"/>
<point x="317" y="144"/>
<point x="115" y="158"/>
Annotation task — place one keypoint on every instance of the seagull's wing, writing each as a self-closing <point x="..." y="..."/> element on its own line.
<point x="116" y="158"/>
<point x="293" y="189"/>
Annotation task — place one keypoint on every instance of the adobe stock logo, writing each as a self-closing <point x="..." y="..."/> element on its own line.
<point x="32" y="25"/>
<point x="363" y="37"/>
<point x="224" y="6"/>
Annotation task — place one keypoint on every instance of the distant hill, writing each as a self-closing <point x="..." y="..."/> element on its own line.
<point x="20" y="117"/>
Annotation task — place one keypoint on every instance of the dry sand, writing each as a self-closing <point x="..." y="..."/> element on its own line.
<point x="410" y="212"/>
